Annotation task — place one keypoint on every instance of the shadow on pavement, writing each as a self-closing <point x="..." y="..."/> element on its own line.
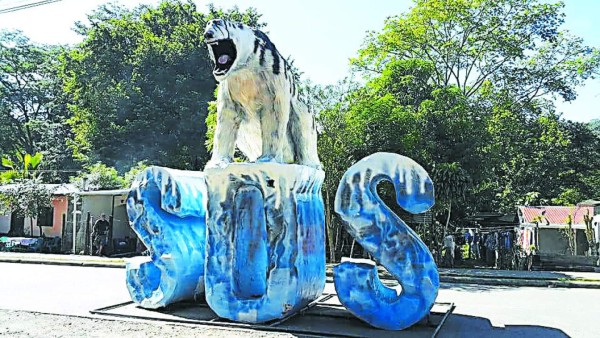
<point x="518" y="274"/>
<point x="475" y="287"/>
<point x="470" y="326"/>
<point x="322" y="320"/>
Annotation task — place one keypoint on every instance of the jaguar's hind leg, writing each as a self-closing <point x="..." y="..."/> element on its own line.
<point x="303" y="130"/>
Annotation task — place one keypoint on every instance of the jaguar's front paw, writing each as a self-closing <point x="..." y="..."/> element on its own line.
<point x="267" y="159"/>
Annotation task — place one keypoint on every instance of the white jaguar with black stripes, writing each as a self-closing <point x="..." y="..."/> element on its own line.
<point x="258" y="107"/>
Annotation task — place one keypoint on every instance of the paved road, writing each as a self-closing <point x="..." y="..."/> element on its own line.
<point x="521" y="312"/>
<point x="495" y="311"/>
<point x="58" y="289"/>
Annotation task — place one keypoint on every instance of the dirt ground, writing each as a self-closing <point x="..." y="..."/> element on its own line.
<point x="30" y="324"/>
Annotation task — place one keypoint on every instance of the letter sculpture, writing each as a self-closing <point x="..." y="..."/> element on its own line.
<point x="250" y="237"/>
<point x="389" y="240"/>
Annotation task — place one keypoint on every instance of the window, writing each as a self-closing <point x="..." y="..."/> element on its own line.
<point x="46" y="217"/>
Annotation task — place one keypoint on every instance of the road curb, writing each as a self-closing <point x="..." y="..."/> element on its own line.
<point x="519" y="282"/>
<point x="445" y="277"/>
<point x="62" y="262"/>
<point x="510" y="282"/>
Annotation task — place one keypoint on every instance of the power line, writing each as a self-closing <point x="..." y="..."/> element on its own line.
<point x="11" y="6"/>
<point x="12" y="3"/>
<point x="8" y="3"/>
<point x="48" y="171"/>
<point x="26" y="6"/>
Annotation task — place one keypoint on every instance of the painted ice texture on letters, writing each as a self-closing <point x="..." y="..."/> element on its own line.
<point x="265" y="240"/>
<point x="389" y="241"/>
<point x="167" y="209"/>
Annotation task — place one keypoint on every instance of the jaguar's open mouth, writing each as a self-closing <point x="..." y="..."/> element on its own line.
<point x="224" y="54"/>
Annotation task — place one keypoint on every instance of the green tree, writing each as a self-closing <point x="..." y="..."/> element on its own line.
<point x="582" y="162"/>
<point x="553" y="158"/>
<point x="32" y="104"/>
<point x="141" y="81"/>
<point x="98" y="177"/>
<point x="27" y="196"/>
<point x="487" y="69"/>
<point x="400" y="112"/>
<point x="132" y="174"/>
<point x="516" y="46"/>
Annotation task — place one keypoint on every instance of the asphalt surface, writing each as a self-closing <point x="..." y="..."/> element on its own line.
<point x="481" y="310"/>
<point x="457" y="276"/>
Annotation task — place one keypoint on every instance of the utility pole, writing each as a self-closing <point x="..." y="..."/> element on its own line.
<point x="75" y="200"/>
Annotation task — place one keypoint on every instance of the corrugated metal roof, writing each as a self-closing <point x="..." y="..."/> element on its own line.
<point x="57" y="189"/>
<point x="554" y="214"/>
<point x="68" y="189"/>
<point x="65" y="189"/>
<point x="589" y="203"/>
<point x="105" y="192"/>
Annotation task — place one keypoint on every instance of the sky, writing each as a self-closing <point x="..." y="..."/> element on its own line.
<point x="320" y="35"/>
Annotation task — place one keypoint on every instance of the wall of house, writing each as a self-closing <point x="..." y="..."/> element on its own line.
<point x="121" y="221"/>
<point x="30" y="227"/>
<point x="60" y="205"/>
<point x="552" y="242"/>
<point x="98" y="204"/>
<point x="4" y="223"/>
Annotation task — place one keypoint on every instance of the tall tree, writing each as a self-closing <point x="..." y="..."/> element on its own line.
<point x="334" y="151"/>
<point x="493" y="67"/>
<point x="32" y="105"/>
<point x="516" y="46"/>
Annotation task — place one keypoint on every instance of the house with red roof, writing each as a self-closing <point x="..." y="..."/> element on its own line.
<point x="543" y="228"/>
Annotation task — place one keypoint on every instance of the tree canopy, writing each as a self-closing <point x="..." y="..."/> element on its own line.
<point x="33" y="108"/>
<point x="515" y="48"/>
<point x="464" y="86"/>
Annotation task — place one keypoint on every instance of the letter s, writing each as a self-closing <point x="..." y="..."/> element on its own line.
<point x="389" y="240"/>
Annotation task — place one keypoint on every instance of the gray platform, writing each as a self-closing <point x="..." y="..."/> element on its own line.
<point x="324" y="317"/>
